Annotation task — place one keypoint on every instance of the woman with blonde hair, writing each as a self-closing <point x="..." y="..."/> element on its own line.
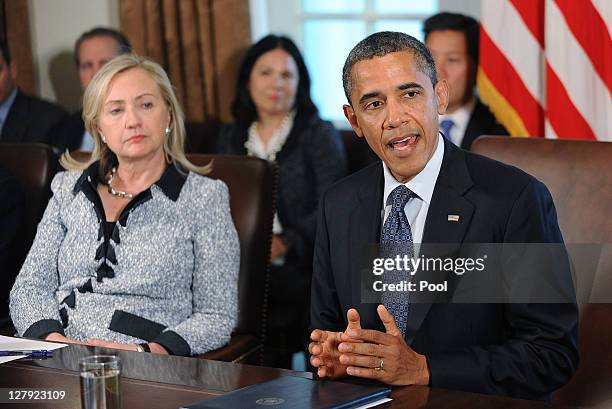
<point x="136" y="250"/>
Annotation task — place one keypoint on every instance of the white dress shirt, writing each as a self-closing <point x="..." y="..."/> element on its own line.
<point x="422" y="185"/>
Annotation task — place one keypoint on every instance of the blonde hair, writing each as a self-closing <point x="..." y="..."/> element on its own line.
<point x="93" y="101"/>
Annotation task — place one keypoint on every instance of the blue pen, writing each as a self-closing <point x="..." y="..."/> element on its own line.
<point x="34" y="353"/>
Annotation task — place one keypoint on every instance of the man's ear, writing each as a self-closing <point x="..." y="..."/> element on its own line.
<point x="349" y="113"/>
<point x="441" y="90"/>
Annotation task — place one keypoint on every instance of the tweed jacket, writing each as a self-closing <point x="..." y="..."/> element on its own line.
<point x="167" y="272"/>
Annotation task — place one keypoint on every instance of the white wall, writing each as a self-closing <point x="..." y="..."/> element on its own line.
<point x="259" y="19"/>
<point x="55" y="25"/>
<point x="468" y="7"/>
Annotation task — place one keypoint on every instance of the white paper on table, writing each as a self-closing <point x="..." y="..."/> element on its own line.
<point x="21" y="344"/>
<point x="375" y="403"/>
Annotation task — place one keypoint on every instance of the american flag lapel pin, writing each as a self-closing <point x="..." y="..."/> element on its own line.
<point x="453" y="218"/>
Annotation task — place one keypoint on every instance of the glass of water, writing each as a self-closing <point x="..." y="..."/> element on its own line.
<point x="100" y="382"/>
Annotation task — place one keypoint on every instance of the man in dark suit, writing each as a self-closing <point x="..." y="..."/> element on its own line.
<point x="23" y="118"/>
<point x="439" y="194"/>
<point x="11" y="219"/>
<point x="92" y="50"/>
<point x="453" y="42"/>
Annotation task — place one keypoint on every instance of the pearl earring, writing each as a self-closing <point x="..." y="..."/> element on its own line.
<point x="103" y="138"/>
<point x="167" y="130"/>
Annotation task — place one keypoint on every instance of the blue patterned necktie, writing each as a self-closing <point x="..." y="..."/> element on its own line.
<point x="445" y="126"/>
<point x="396" y="239"/>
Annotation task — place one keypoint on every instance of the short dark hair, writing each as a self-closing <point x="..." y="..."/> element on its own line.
<point x="122" y="41"/>
<point x="457" y="22"/>
<point x="243" y="107"/>
<point x="6" y="53"/>
<point x="383" y="43"/>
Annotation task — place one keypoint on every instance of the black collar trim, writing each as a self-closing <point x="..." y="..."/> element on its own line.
<point x="171" y="182"/>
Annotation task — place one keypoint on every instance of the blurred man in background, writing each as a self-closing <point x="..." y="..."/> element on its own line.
<point x="453" y="42"/>
<point x="92" y="50"/>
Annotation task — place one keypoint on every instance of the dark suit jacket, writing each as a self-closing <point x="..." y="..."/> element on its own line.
<point x="311" y="159"/>
<point x="68" y="134"/>
<point x="508" y="349"/>
<point x="482" y="122"/>
<point x="11" y="219"/>
<point x="31" y="119"/>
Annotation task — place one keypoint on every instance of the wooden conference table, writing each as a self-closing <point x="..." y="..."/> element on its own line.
<point x="157" y="381"/>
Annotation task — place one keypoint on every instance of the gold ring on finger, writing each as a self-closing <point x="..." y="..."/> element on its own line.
<point x="380" y="367"/>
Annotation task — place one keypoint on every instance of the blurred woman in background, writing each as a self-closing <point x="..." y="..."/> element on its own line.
<point x="276" y="120"/>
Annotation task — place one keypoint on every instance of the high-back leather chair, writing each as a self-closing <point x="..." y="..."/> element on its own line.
<point x="577" y="173"/>
<point x="33" y="165"/>
<point x="252" y="188"/>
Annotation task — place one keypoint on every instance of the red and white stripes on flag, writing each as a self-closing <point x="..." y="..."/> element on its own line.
<point x="546" y="67"/>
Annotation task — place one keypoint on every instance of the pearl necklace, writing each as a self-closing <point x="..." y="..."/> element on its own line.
<point x="112" y="191"/>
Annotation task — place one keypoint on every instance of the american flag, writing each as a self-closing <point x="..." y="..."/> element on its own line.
<point x="546" y="67"/>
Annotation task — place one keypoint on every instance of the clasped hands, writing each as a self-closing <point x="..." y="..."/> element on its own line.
<point x="364" y="353"/>
<point x="56" y="336"/>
